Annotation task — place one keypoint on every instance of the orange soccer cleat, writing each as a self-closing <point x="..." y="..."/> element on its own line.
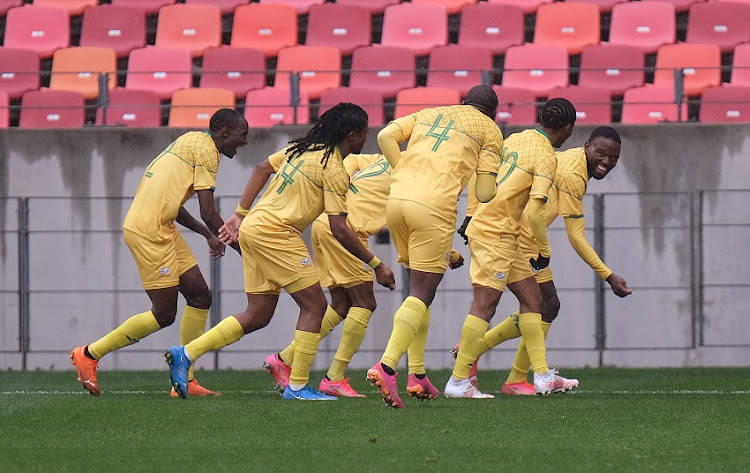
<point x="86" y="369"/>
<point x="195" y="389"/>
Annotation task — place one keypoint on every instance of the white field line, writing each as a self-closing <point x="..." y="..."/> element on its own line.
<point x="269" y="391"/>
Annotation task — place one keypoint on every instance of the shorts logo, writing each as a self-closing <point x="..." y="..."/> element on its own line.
<point x="366" y="267"/>
<point x="164" y="271"/>
<point x="448" y="255"/>
<point x="305" y="261"/>
<point x="501" y="275"/>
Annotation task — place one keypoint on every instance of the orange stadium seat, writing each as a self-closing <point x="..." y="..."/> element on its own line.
<point x="4" y="110"/>
<point x="266" y="27"/>
<point x="571" y="25"/>
<point x="237" y="69"/>
<point x="593" y="106"/>
<point x="453" y="6"/>
<point x="319" y="68"/>
<point x="417" y="27"/>
<point x="78" y="69"/>
<point x="73" y="7"/>
<point x="614" y="67"/>
<point x="741" y="65"/>
<point x="194" y="27"/>
<point x="192" y="108"/>
<point x="647" y="25"/>
<point x="40" y="29"/>
<point x="648" y="105"/>
<point x="301" y="6"/>
<point x="528" y="6"/>
<point x="132" y="108"/>
<point x="149" y="7"/>
<point x="515" y="106"/>
<point x="605" y="6"/>
<point x="226" y="6"/>
<point x="346" y="27"/>
<point x="412" y="100"/>
<point x="723" y="24"/>
<point x="725" y="104"/>
<point x="52" y="109"/>
<point x="375" y="6"/>
<point x="19" y="71"/>
<point x="160" y="70"/>
<point x="270" y="106"/>
<point x="679" y="5"/>
<point x="536" y="67"/>
<point x="371" y="103"/>
<point x="121" y="28"/>
<point x="6" y="5"/>
<point x="487" y="25"/>
<point x="383" y="69"/>
<point x="700" y="65"/>
<point x="458" y="67"/>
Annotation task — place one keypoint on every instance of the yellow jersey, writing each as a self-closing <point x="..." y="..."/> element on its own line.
<point x="188" y="164"/>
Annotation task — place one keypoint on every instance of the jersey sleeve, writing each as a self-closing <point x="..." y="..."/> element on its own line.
<point x="544" y="171"/>
<point x="335" y="185"/>
<point x="471" y="196"/>
<point x="277" y="159"/>
<point x="490" y="155"/>
<point x="357" y="162"/>
<point x="575" y="227"/>
<point x="206" y="161"/>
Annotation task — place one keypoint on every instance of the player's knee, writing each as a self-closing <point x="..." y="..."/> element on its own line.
<point x="201" y="300"/>
<point x="165" y="318"/>
<point x="551" y="309"/>
<point x="370" y="304"/>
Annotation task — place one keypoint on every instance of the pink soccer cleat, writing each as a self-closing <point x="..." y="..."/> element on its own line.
<point x="524" y="388"/>
<point x="421" y="388"/>
<point x="338" y="388"/>
<point x="386" y="384"/>
<point x="278" y="369"/>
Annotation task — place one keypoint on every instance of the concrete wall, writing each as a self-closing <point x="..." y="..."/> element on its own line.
<point x="84" y="283"/>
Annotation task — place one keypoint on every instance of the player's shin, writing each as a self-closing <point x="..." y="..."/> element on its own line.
<point x="129" y="332"/>
<point x="224" y="333"/>
<point x="192" y="325"/>
<point x="306" y="347"/>
<point x="472" y="332"/>
<point x="354" y="330"/>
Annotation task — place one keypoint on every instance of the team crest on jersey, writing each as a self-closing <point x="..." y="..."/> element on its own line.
<point x="305" y="261"/>
<point x="164" y="271"/>
<point x="501" y="275"/>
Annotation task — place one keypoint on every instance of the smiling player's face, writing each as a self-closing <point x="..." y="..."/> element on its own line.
<point x="602" y="155"/>
<point x="235" y="136"/>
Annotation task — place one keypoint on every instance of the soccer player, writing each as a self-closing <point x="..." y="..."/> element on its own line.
<point x="598" y="156"/>
<point x="165" y="263"/>
<point x="310" y="179"/>
<point x="525" y="176"/>
<point x="446" y="146"/>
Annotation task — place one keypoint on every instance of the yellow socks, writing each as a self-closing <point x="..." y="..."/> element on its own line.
<point x="306" y="346"/>
<point x="504" y="331"/>
<point x="406" y="323"/>
<point x="417" y="347"/>
<point x="521" y="363"/>
<point x="471" y="340"/>
<point x="330" y="320"/>
<point x="192" y="325"/>
<point x="530" y="324"/>
<point x="128" y="333"/>
<point x="224" y="333"/>
<point x="355" y="327"/>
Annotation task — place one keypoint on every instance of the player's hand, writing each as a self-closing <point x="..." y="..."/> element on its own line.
<point x="619" y="286"/>
<point x="384" y="276"/>
<point x="230" y="231"/>
<point x="462" y="230"/>
<point x="216" y="247"/>
<point x="456" y="260"/>
<point x="539" y="263"/>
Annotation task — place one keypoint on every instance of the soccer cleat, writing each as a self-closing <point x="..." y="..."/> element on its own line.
<point x="544" y="383"/>
<point x="86" y="369"/>
<point x="338" y="388"/>
<point x="306" y="394"/>
<point x="563" y="384"/>
<point x="195" y="389"/>
<point x="421" y="388"/>
<point x="474" y="368"/>
<point x="386" y="384"/>
<point x="464" y="388"/>
<point x="524" y="388"/>
<point x="179" y="364"/>
<point x="279" y="370"/>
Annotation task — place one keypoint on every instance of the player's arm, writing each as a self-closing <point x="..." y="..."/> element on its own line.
<point x="229" y="231"/>
<point x="188" y="221"/>
<point x="350" y="241"/>
<point x="395" y="133"/>
<point x="538" y="226"/>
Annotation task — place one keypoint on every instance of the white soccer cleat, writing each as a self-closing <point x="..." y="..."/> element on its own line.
<point x="464" y="388"/>
<point x="544" y="383"/>
<point x="563" y="384"/>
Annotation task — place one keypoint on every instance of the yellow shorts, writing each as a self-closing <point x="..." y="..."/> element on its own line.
<point x="422" y="237"/>
<point x="497" y="264"/>
<point x="160" y="263"/>
<point x="531" y="250"/>
<point x="336" y="266"/>
<point x="275" y="260"/>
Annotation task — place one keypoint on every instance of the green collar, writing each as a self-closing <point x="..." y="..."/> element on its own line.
<point x="542" y="132"/>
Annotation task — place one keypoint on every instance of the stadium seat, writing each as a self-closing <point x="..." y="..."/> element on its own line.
<point x="371" y="103"/>
<point x="192" y="108"/>
<point x="723" y="24"/>
<point x="226" y="6"/>
<point x="73" y="7"/>
<point x="571" y="25"/>
<point x="160" y="70"/>
<point x="725" y="104"/>
<point x="266" y="27"/>
<point x="614" y="67"/>
<point x="346" y="27"/>
<point x="647" y="25"/>
<point x="412" y="100"/>
<point x="383" y="69"/>
<point x="118" y="27"/>
<point x="528" y="6"/>
<point x="741" y="65"/>
<point x="149" y="7"/>
<point x="301" y="6"/>
<point x="19" y="71"/>
<point x="374" y="6"/>
<point x="458" y="67"/>
<point x="6" y="5"/>
<point x="649" y="105"/>
<point x="78" y="69"/>
<point x="40" y="29"/>
<point x="52" y="109"/>
<point x="194" y="27"/>
<point x="237" y="69"/>
<point x="679" y="5"/>
<point x="452" y="6"/>
<point x="700" y="65"/>
<point x="132" y="108"/>
<point x="536" y="67"/>
<point x="593" y="106"/>
<point x="496" y="27"/>
<point x="417" y="27"/>
<point x="319" y="68"/>
<point x="4" y="110"/>
<point x="515" y="106"/>
<point x="270" y="106"/>
<point x="605" y="6"/>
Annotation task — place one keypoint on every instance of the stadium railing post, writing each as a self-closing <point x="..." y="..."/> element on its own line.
<point x="696" y="267"/>
<point x="679" y="91"/>
<point x="600" y="326"/>
<point x="215" y="277"/>
<point x="23" y="280"/>
<point x="103" y="98"/>
<point x="294" y="94"/>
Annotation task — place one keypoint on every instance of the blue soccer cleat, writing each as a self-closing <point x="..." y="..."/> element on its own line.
<point x="306" y="394"/>
<point x="178" y="369"/>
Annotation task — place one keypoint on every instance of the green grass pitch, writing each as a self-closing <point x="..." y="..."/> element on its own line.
<point x="620" y="420"/>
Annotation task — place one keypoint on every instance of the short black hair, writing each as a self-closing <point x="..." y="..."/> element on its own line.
<point x="223" y="117"/>
<point x="605" y="132"/>
<point x="483" y="97"/>
<point x="557" y="113"/>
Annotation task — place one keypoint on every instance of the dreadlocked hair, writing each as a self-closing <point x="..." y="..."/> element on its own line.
<point x="330" y="129"/>
<point x="557" y="113"/>
<point x="605" y="132"/>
